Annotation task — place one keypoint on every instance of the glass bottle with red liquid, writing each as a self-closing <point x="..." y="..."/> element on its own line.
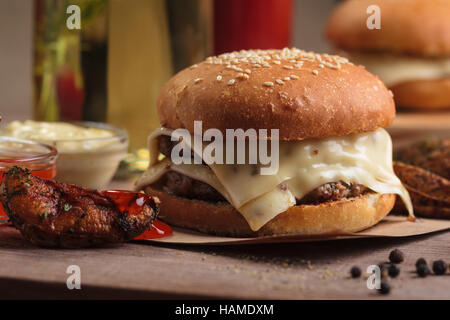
<point x="39" y="158"/>
<point x="251" y="24"/>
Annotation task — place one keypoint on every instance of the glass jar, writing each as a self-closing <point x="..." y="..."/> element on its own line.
<point x="39" y="158"/>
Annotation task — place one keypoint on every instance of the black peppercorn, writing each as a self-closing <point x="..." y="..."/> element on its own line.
<point x="439" y="267"/>
<point x="385" y="287"/>
<point x="396" y="256"/>
<point x="420" y="261"/>
<point x="384" y="266"/>
<point x="355" y="272"/>
<point x="393" y="271"/>
<point x="423" y="270"/>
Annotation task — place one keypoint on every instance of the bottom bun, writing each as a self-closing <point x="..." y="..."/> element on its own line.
<point x="423" y="94"/>
<point x="343" y="216"/>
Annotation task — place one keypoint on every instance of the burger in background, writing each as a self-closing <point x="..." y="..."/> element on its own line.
<point x="410" y="52"/>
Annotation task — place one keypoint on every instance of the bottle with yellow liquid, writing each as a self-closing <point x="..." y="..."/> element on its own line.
<point x="139" y="63"/>
<point x="149" y="40"/>
<point x="113" y="67"/>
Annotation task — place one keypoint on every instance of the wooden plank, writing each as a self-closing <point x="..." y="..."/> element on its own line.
<point x="316" y="270"/>
<point x="409" y="127"/>
<point x="286" y="271"/>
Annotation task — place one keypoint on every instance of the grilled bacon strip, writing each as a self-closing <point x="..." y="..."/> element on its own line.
<point x="53" y="214"/>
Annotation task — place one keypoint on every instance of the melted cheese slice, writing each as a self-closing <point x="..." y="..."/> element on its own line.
<point x="394" y="69"/>
<point x="364" y="158"/>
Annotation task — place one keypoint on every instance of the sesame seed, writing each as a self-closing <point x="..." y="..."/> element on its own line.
<point x="287" y="78"/>
<point x="333" y="66"/>
<point x="197" y="80"/>
<point x="279" y="81"/>
<point x="293" y="58"/>
<point x="232" y="81"/>
<point x="219" y="78"/>
<point x="315" y="72"/>
<point x="294" y="77"/>
<point x="268" y="84"/>
<point x="242" y="76"/>
<point x="194" y="66"/>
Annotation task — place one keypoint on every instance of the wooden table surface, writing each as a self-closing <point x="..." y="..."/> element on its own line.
<point x="316" y="270"/>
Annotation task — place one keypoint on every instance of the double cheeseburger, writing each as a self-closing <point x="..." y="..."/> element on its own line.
<point x="335" y="161"/>
<point x="410" y="52"/>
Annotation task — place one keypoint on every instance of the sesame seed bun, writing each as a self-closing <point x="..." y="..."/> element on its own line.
<point x="423" y="94"/>
<point x="326" y="218"/>
<point x="303" y="94"/>
<point x="417" y="27"/>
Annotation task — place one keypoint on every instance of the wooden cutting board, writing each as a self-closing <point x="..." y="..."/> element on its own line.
<point x="413" y="126"/>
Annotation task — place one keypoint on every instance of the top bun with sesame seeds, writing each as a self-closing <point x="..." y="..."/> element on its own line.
<point x="303" y="94"/>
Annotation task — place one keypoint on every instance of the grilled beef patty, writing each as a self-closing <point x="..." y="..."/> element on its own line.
<point x="333" y="191"/>
<point x="180" y="185"/>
